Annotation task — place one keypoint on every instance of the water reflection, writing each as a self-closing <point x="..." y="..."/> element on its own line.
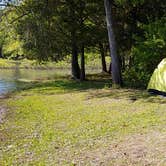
<point x="6" y="86"/>
<point x="9" y="78"/>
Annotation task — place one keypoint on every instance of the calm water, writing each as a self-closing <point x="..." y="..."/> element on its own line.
<point x="9" y="78"/>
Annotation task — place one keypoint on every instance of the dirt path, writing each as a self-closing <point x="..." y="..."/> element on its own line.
<point x="148" y="149"/>
<point x="2" y="114"/>
<point x="134" y="150"/>
<point x="2" y="109"/>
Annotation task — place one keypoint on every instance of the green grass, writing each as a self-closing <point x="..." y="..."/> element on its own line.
<point x="26" y="64"/>
<point x="92" y="60"/>
<point x="63" y="122"/>
<point x="4" y="63"/>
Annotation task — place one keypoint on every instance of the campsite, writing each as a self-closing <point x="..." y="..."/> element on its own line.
<point x="158" y="80"/>
<point x="82" y="83"/>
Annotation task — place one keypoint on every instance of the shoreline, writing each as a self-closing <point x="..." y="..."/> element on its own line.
<point x="3" y="108"/>
<point x="33" y="68"/>
<point x="44" y="68"/>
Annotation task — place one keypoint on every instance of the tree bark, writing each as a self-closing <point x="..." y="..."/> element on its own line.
<point x="130" y="62"/>
<point x="1" y="53"/>
<point x="82" y="74"/>
<point x="116" y="70"/>
<point x="73" y="29"/>
<point x="123" y="63"/>
<point x="110" y="68"/>
<point x="103" y="62"/>
<point x="75" y="65"/>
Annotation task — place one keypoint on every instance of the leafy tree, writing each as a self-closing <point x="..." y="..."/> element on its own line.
<point x="49" y="30"/>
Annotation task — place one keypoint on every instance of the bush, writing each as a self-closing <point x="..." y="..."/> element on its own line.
<point x="136" y="79"/>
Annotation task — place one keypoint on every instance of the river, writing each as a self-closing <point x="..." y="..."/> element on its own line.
<point x="10" y="79"/>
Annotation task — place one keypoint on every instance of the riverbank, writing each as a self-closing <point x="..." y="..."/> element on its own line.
<point x="91" y="63"/>
<point x="7" y="64"/>
<point x="30" y="64"/>
<point x="64" y="122"/>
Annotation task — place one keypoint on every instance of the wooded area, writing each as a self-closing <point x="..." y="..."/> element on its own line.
<point x="49" y="30"/>
<point x="83" y="82"/>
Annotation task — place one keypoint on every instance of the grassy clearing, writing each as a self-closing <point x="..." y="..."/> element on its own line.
<point x="72" y="123"/>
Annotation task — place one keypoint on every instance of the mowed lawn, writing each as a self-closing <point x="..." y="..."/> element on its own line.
<point x="71" y="123"/>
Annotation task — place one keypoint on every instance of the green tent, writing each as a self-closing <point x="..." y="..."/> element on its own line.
<point x="157" y="83"/>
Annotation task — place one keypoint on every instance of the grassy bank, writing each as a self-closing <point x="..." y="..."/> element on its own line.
<point x="27" y="64"/>
<point x="71" y="123"/>
<point x="92" y="61"/>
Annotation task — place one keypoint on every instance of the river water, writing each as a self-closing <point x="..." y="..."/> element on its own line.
<point x="10" y="79"/>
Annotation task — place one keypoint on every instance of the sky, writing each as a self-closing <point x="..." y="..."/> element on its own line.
<point x="4" y="2"/>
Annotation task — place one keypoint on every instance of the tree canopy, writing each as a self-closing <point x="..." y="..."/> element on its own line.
<point x="49" y="30"/>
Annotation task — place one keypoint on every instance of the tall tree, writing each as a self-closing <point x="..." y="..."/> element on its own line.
<point x="116" y="70"/>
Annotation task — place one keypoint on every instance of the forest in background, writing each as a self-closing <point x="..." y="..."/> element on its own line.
<point x="50" y="30"/>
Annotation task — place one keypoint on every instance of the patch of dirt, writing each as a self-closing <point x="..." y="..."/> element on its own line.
<point x="136" y="150"/>
<point x="2" y="114"/>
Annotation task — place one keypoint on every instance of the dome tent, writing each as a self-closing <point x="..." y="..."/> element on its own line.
<point x="157" y="83"/>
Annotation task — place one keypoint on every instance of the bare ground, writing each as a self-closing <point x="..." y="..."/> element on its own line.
<point x="135" y="150"/>
<point x="2" y="114"/>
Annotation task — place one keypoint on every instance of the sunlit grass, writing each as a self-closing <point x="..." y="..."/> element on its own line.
<point x="53" y="123"/>
<point x="92" y="60"/>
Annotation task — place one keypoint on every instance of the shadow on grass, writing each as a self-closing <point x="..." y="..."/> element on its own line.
<point x="129" y="94"/>
<point x="67" y="84"/>
<point x="94" y="82"/>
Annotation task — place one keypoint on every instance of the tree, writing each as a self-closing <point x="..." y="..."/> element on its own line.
<point x="99" y="39"/>
<point x="48" y="30"/>
<point x="115" y="63"/>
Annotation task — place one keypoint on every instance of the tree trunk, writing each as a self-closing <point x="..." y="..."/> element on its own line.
<point x="82" y="75"/>
<point x="1" y="53"/>
<point x="116" y="70"/>
<point x="75" y="65"/>
<point x="123" y="63"/>
<point x="110" y="68"/>
<point x="130" y="62"/>
<point x="103" y="62"/>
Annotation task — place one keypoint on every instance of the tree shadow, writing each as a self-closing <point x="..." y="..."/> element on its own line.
<point x="99" y="84"/>
<point x="66" y="84"/>
<point x="132" y="95"/>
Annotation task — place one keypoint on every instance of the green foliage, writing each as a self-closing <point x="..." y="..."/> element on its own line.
<point x="149" y="50"/>
<point x="44" y="31"/>
<point x="135" y="79"/>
